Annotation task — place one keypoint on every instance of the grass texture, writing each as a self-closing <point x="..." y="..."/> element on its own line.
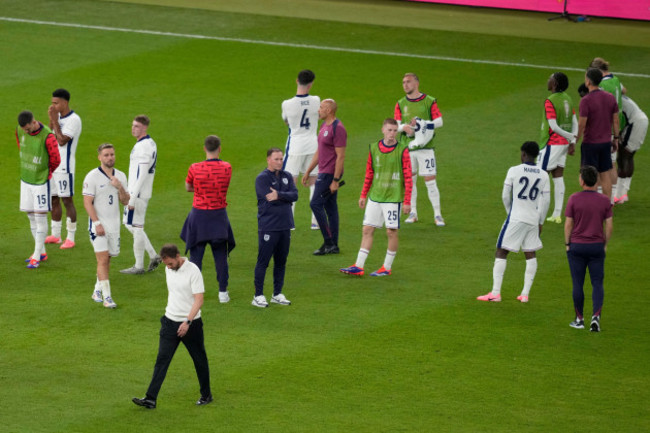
<point x="414" y="352"/>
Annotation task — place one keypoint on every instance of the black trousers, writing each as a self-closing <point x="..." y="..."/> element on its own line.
<point x="325" y="208"/>
<point x="220" y="254"/>
<point x="276" y="245"/>
<point x="169" y="341"/>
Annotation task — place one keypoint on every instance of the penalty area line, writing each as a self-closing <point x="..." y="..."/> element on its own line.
<point x="305" y="46"/>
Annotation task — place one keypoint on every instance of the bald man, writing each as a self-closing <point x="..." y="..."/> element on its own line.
<point x="332" y="139"/>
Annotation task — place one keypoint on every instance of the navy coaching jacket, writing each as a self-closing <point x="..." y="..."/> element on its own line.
<point x="275" y="215"/>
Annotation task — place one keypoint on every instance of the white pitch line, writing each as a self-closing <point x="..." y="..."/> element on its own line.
<point x="308" y="46"/>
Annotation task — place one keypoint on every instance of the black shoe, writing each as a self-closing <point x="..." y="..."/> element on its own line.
<point x="578" y="323"/>
<point x="204" y="400"/>
<point x="595" y="324"/>
<point x="145" y="402"/>
<point x="326" y="249"/>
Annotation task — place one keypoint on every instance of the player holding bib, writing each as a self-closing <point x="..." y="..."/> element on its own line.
<point x="414" y="112"/>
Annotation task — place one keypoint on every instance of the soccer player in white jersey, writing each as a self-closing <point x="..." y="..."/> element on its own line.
<point x="300" y="113"/>
<point x="66" y="127"/>
<point x="103" y="190"/>
<point x="632" y="137"/>
<point x="526" y="197"/>
<point x="142" y="169"/>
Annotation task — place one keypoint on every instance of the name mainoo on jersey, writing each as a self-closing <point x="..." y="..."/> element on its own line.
<point x="531" y="169"/>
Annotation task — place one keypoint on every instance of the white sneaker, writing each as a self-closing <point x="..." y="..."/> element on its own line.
<point x="132" y="271"/>
<point x="224" y="297"/>
<point x="260" y="301"/>
<point x="280" y="299"/>
<point x="315" y="226"/>
<point x="413" y="217"/>
<point x="440" y="222"/>
<point x="97" y="296"/>
<point x="108" y="302"/>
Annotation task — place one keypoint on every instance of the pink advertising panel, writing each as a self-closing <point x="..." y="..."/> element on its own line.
<point x="629" y="9"/>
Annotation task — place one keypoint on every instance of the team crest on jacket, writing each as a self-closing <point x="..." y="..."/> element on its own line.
<point x="285" y="181"/>
<point x="325" y="133"/>
<point x="266" y="238"/>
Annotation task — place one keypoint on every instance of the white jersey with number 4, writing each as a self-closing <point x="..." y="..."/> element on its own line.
<point x="142" y="167"/>
<point x="106" y="200"/>
<point x="526" y="194"/>
<point x="301" y="114"/>
<point x="71" y="127"/>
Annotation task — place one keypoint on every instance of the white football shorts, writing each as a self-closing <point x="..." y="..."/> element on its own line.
<point x="380" y="214"/>
<point x="552" y="156"/>
<point x="634" y="134"/>
<point x="298" y="164"/>
<point x="35" y="198"/>
<point x="62" y="184"/>
<point x="515" y="236"/>
<point x="423" y="162"/>
<point x="110" y="242"/>
<point x="135" y="217"/>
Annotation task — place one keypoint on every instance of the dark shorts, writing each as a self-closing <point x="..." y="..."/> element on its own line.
<point x="597" y="154"/>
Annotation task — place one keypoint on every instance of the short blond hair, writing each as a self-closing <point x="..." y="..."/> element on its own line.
<point x="411" y="74"/>
<point x="104" y="146"/>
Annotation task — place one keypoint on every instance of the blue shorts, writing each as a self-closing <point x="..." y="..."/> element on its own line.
<point x="598" y="155"/>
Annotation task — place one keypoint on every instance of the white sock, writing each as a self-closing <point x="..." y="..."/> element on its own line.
<point x="529" y="275"/>
<point x="311" y="194"/>
<point x="617" y="189"/>
<point x="138" y="247"/>
<point x="32" y="224"/>
<point x="414" y="196"/>
<point x="361" y="258"/>
<point x="41" y="234"/>
<point x="148" y="246"/>
<point x="71" y="228"/>
<point x="434" y="196"/>
<point x="623" y="186"/>
<point x="558" y="183"/>
<point x="388" y="260"/>
<point x="105" y="286"/>
<point x="497" y="275"/>
<point x="56" y="229"/>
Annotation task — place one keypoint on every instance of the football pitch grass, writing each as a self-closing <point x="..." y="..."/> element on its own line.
<point x="413" y="352"/>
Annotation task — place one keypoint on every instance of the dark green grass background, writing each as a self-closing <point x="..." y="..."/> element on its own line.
<point x="413" y="352"/>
